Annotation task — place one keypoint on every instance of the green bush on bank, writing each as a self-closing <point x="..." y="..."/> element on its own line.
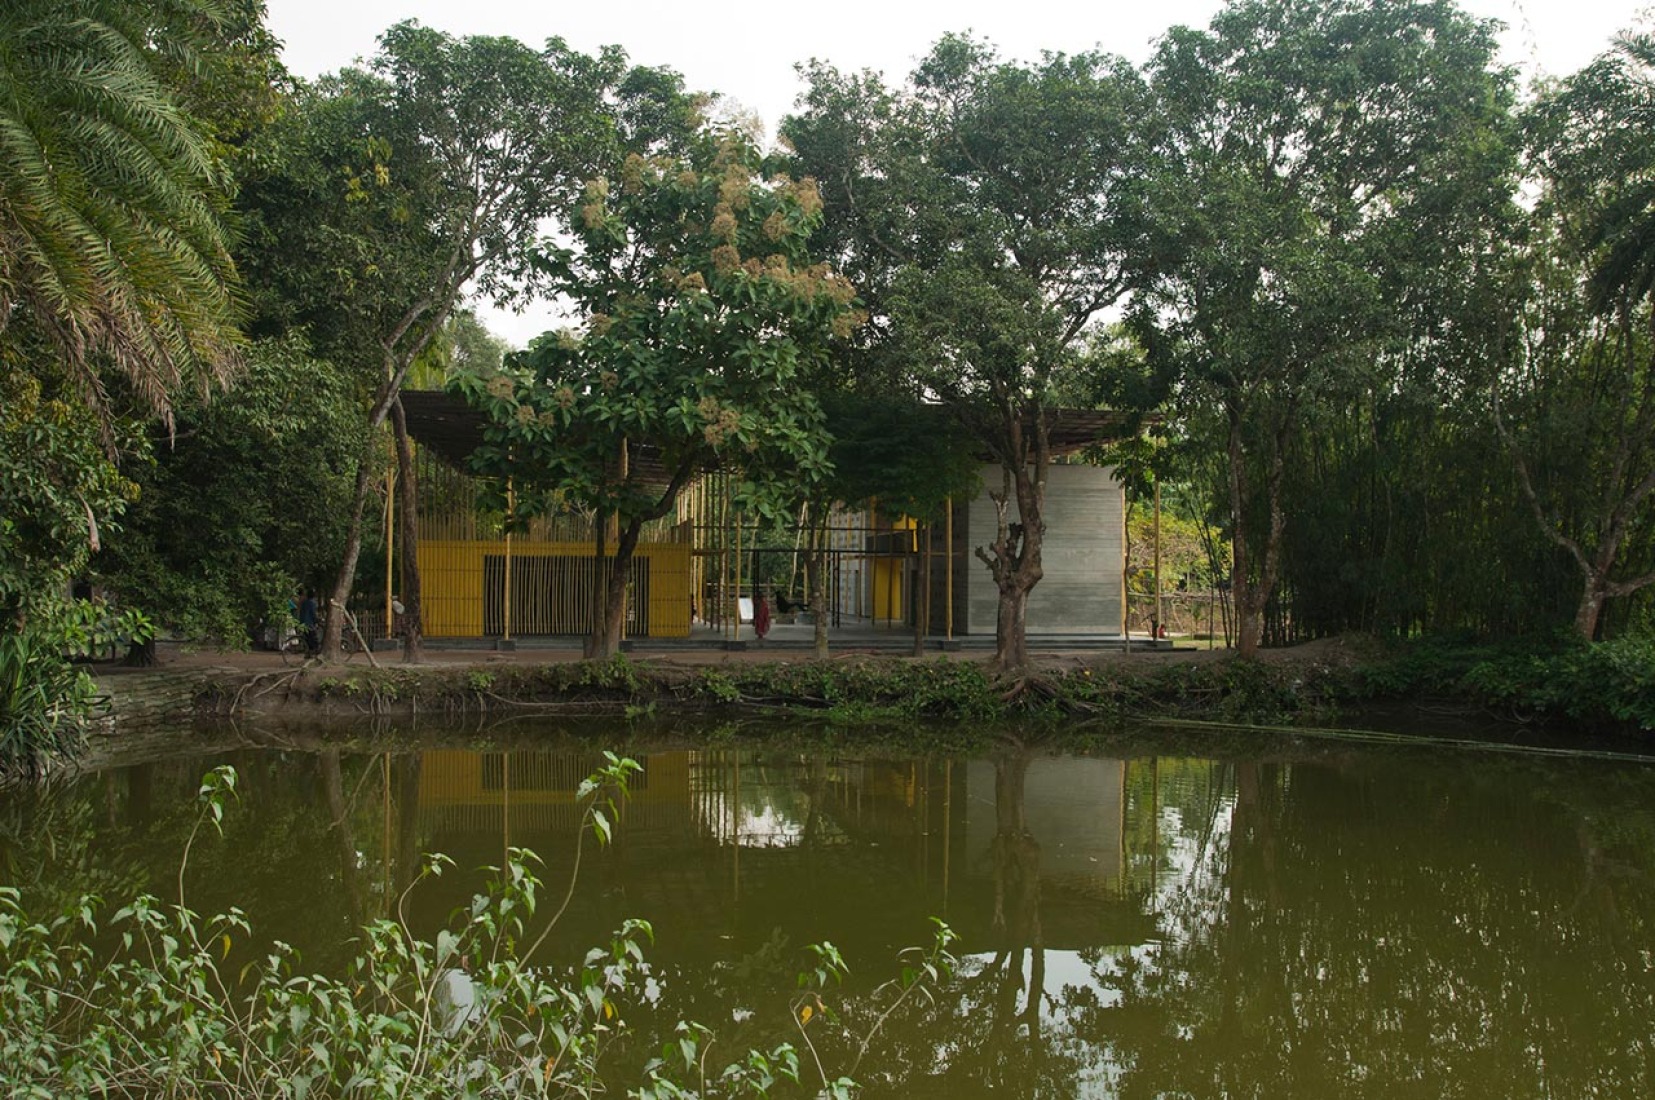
<point x="46" y="700"/>
<point x="1607" y="686"/>
<point x="44" y="704"/>
<point x="1604" y="684"/>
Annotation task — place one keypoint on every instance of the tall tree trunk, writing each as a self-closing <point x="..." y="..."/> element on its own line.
<point x="1014" y="558"/>
<point x="408" y="536"/>
<point x="600" y="523"/>
<point x="605" y="641"/>
<point x="1252" y="594"/>
<point x="404" y="344"/>
<point x="333" y="630"/>
<point x="1011" y="630"/>
<point x="816" y="578"/>
<point x="1591" y="609"/>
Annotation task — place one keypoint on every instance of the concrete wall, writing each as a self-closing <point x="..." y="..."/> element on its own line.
<point x="1080" y="592"/>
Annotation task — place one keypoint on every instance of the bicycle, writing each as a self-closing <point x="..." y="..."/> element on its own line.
<point x="294" y="652"/>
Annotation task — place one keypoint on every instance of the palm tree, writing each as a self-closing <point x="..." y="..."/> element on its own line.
<point x="113" y="251"/>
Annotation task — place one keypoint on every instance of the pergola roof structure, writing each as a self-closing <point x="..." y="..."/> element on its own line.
<point x="453" y="429"/>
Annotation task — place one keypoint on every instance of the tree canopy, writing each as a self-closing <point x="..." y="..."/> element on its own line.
<point x="1325" y="181"/>
<point x="986" y="203"/>
<point x="703" y="314"/>
<point x="113" y="248"/>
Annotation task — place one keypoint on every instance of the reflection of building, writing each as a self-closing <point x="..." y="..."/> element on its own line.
<point x="1073" y="807"/>
<point x="485" y="792"/>
<point x="746" y="841"/>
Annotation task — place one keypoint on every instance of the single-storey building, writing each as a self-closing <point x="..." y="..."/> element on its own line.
<point x="480" y="580"/>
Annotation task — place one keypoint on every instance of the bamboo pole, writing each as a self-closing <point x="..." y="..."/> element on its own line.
<point x="626" y="462"/>
<point x="1157" y="622"/>
<point x="922" y="597"/>
<point x="390" y="540"/>
<point x="1126" y="598"/>
<point x="948" y="572"/>
<point x="736" y="633"/>
<point x="511" y="514"/>
<point x="724" y="560"/>
<point x="873" y="562"/>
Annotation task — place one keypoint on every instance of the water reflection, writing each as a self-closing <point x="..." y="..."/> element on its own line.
<point x="1366" y="923"/>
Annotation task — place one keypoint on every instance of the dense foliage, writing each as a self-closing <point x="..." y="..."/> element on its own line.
<point x="271" y="462"/>
<point x="1390" y="397"/>
<point x="704" y="315"/>
<point x="984" y="208"/>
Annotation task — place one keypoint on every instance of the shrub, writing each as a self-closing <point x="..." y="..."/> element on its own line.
<point x="161" y="1011"/>
<point x="45" y="703"/>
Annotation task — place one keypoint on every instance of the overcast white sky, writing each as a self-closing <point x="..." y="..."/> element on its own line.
<point x="746" y="50"/>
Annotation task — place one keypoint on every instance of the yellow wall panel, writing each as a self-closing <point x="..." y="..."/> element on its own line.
<point x="452" y="578"/>
<point x="887" y="588"/>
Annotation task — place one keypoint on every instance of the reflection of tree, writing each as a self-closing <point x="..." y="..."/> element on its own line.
<point x="986" y="1033"/>
<point x="1391" y="929"/>
<point x="1354" y="925"/>
<point x="339" y="814"/>
<point x="56" y="850"/>
<point x="1016" y="901"/>
<point x="384" y="804"/>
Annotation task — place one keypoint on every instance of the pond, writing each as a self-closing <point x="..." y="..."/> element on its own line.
<point x="1264" y="920"/>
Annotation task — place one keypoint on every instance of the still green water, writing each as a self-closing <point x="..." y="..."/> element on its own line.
<point x="1352" y="921"/>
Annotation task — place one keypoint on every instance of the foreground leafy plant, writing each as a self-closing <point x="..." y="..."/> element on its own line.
<point x="161" y="1014"/>
<point x="44" y="704"/>
<point x="150" y="1001"/>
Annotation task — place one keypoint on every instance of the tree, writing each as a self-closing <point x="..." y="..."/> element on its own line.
<point x="271" y="463"/>
<point x="985" y="203"/>
<point x="703" y="314"/>
<point x="428" y="175"/>
<point x="113" y="250"/>
<point x="1577" y="411"/>
<point x="1323" y="179"/>
<point x="60" y="496"/>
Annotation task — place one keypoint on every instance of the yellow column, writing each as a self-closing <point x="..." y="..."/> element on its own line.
<point x="723" y="505"/>
<point x="511" y="515"/>
<point x="390" y="539"/>
<point x="1158" y="620"/>
<point x="624" y="465"/>
<point x="736" y="633"/>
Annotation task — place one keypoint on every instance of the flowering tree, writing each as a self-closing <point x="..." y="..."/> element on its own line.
<point x="703" y="317"/>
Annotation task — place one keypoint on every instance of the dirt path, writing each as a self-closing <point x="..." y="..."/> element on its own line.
<point x="1339" y="652"/>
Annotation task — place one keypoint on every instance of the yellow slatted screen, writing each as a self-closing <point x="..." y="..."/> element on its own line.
<point x="479" y="581"/>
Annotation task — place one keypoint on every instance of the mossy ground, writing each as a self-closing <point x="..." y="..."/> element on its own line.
<point x="1606" y="688"/>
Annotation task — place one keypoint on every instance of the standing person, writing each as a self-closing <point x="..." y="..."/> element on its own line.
<point x="307" y="622"/>
<point x="288" y="632"/>
<point x="761" y="616"/>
